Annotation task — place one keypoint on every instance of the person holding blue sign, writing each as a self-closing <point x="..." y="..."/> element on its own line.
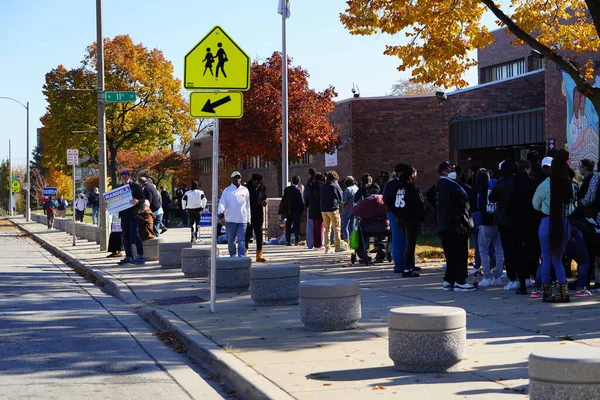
<point x="130" y="222"/>
<point x="194" y="203"/>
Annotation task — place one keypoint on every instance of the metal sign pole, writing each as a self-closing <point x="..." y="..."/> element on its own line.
<point x="74" y="208"/>
<point x="215" y="208"/>
<point x="10" y="194"/>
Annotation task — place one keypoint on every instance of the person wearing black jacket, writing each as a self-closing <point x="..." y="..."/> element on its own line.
<point x="258" y="200"/>
<point x="166" y="205"/>
<point x="454" y="225"/>
<point x="331" y="201"/>
<point x="292" y="207"/>
<point x="363" y="190"/>
<point x="503" y="194"/>
<point x="314" y="210"/>
<point x="151" y="194"/>
<point x="130" y="222"/>
<point x="405" y="200"/>
<point x="306" y="196"/>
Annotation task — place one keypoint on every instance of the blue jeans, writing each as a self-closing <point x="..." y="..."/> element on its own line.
<point x="552" y="259"/>
<point x="309" y="229"/>
<point x="157" y="222"/>
<point x="347" y="224"/>
<point x="477" y="220"/>
<point x="232" y="231"/>
<point x="490" y="248"/>
<point x="95" y="215"/>
<point x="131" y="235"/>
<point x="398" y="243"/>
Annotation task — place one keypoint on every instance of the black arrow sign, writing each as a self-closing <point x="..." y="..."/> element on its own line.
<point x="210" y="107"/>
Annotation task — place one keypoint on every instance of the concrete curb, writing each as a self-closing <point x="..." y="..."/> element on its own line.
<point x="246" y="381"/>
<point x="113" y="286"/>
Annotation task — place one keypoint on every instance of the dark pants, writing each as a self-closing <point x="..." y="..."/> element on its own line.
<point x="79" y="215"/>
<point x="131" y="235"/>
<point x="317" y="233"/>
<point x="256" y="226"/>
<point x="184" y="217"/>
<point x="194" y="218"/>
<point x="456" y="250"/>
<point x="512" y="244"/>
<point x="531" y="252"/>
<point x="411" y="230"/>
<point x="292" y="222"/>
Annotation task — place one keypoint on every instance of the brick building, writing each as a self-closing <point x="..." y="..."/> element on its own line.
<point x="517" y="106"/>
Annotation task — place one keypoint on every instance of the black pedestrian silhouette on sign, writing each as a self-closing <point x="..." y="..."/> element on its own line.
<point x="222" y="59"/>
<point x="209" y="59"/>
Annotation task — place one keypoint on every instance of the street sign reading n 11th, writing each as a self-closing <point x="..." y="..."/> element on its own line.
<point x="120" y="97"/>
<point x="216" y="62"/>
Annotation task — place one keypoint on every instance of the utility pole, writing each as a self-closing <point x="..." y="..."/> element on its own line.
<point x="10" y="207"/>
<point x="28" y="176"/>
<point x="101" y="126"/>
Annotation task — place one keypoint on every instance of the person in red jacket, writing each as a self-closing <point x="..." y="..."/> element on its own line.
<point x="373" y="218"/>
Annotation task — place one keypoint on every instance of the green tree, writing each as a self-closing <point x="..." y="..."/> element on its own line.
<point x="4" y="184"/>
<point x="152" y="122"/>
<point x="408" y="87"/>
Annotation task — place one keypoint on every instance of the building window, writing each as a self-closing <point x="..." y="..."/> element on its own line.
<point x="539" y="63"/>
<point x="306" y="159"/>
<point x="205" y="166"/>
<point x="255" y="163"/>
<point x="503" y="71"/>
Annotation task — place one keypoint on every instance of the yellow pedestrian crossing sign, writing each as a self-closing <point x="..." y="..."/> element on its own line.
<point x="229" y="105"/>
<point x="16" y="186"/>
<point x="216" y="62"/>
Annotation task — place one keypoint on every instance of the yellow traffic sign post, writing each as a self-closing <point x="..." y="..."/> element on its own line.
<point x="219" y="70"/>
<point x="222" y="105"/>
<point x="217" y="62"/>
<point x="16" y="186"/>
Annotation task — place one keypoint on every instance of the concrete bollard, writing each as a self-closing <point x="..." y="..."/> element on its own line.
<point x="330" y="304"/>
<point x="275" y="285"/>
<point x="427" y="338"/>
<point x="233" y="274"/>
<point x="195" y="261"/>
<point x="151" y="248"/>
<point x="564" y="373"/>
<point x="169" y="254"/>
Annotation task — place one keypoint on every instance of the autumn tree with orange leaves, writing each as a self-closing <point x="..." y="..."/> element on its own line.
<point x="157" y="165"/>
<point x="152" y="122"/>
<point x="441" y="33"/>
<point x="258" y="132"/>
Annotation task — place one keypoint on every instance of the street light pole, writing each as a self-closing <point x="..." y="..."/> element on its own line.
<point x="101" y="126"/>
<point x="27" y="178"/>
<point x="10" y="207"/>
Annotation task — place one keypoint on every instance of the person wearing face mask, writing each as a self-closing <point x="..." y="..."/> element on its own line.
<point x="234" y="206"/>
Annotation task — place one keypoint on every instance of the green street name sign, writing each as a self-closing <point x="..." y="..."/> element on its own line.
<point x="120" y="97"/>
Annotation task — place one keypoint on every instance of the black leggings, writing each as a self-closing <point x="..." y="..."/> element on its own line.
<point x="194" y="220"/>
<point x="456" y="250"/>
<point x="256" y="228"/>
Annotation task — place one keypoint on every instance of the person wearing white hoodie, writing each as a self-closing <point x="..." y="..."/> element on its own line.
<point x="234" y="206"/>
<point x="194" y="203"/>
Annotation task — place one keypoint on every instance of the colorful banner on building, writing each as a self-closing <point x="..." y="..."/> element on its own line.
<point x="118" y="199"/>
<point x="582" y="122"/>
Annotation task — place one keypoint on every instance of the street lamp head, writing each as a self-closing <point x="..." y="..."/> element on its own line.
<point x="441" y="95"/>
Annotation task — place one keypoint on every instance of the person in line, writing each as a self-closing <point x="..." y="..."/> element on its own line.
<point x="306" y="198"/>
<point x="182" y="213"/>
<point x="405" y="200"/>
<point x="94" y="201"/>
<point x="50" y="206"/>
<point x="166" y="205"/>
<point x="258" y="201"/>
<point x="454" y="223"/>
<point x="291" y="208"/>
<point x="130" y="222"/>
<point x="373" y="219"/>
<point x="586" y="169"/>
<point x="146" y="222"/>
<point x="151" y="194"/>
<point x="314" y="210"/>
<point x="194" y="202"/>
<point x="366" y="180"/>
<point x="489" y="237"/>
<point x="234" y="206"/>
<point x="503" y="194"/>
<point x="331" y="199"/>
<point x="554" y="198"/>
<point x="80" y="205"/>
<point x="397" y="242"/>
<point x="61" y="209"/>
<point x="347" y="204"/>
<point x="115" y="240"/>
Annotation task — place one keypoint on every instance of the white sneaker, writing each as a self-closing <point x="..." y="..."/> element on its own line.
<point x="496" y="282"/>
<point x="504" y="276"/>
<point x="443" y="267"/>
<point x="528" y="283"/>
<point x="448" y="287"/>
<point x="485" y="282"/>
<point x="512" y="285"/>
<point x="475" y="271"/>
<point x="340" y="249"/>
<point x="464" y="287"/>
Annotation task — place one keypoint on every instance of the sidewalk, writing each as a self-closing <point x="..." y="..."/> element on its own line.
<point x="266" y="352"/>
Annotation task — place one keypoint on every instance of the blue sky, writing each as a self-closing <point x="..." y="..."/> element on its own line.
<point x="38" y="35"/>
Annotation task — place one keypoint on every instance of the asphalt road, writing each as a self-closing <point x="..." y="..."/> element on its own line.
<point x="63" y="338"/>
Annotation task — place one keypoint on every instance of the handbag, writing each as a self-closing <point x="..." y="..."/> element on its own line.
<point x="354" y="237"/>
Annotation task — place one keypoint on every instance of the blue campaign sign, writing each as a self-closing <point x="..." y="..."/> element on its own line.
<point x="205" y="219"/>
<point x="50" y="191"/>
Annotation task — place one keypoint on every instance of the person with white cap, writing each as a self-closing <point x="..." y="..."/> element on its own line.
<point x="234" y="206"/>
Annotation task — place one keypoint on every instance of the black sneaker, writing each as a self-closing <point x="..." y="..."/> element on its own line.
<point x="127" y="260"/>
<point x="410" y="274"/>
<point x="163" y="230"/>
<point x="416" y="268"/>
<point x="522" y="290"/>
